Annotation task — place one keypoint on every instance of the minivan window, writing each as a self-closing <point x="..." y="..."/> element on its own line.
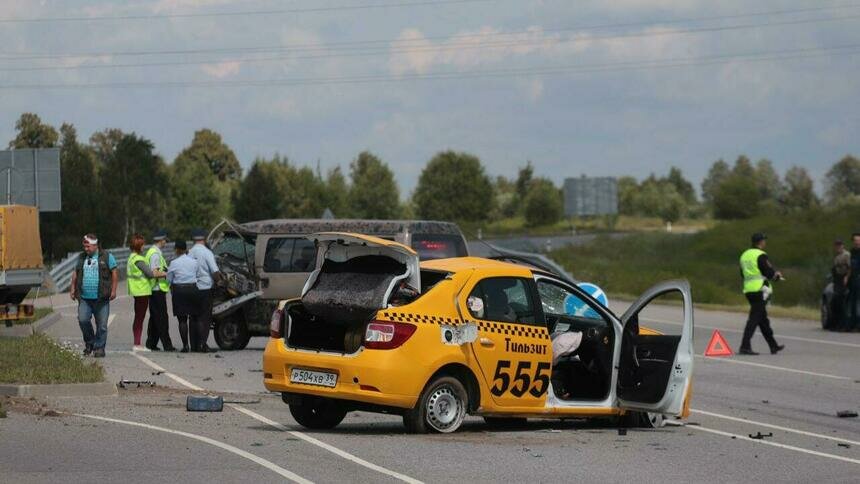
<point x="438" y="246"/>
<point x="288" y="254"/>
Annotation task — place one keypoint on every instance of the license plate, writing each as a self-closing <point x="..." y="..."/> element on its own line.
<point x="310" y="377"/>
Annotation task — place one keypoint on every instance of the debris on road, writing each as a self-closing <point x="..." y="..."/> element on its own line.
<point x="156" y="373"/>
<point x="759" y="435"/>
<point x="846" y="414"/>
<point x="622" y="431"/>
<point x="229" y="374"/>
<point x="208" y="378"/>
<point x="123" y="383"/>
<point x="842" y="444"/>
<point x="204" y="403"/>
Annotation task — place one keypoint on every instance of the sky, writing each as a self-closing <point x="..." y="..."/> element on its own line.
<point x="627" y="87"/>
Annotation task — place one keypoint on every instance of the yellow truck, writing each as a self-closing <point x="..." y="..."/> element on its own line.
<point x="21" y="265"/>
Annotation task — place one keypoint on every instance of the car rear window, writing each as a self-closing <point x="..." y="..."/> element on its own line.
<point x="438" y="246"/>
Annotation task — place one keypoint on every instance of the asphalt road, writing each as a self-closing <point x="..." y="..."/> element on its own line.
<point x="793" y="395"/>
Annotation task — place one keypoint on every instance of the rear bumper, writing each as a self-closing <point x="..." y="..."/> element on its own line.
<point x="377" y="377"/>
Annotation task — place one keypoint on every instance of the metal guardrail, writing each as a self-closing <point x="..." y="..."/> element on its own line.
<point x="61" y="273"/>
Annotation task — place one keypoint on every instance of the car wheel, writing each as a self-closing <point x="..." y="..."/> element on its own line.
<point x="505" y="422"/>
<point x="318" y="413"/>
<point x="440" y="408"/>
<point x="646" y="420"/>
<point x="825" y="313"/>
<point x="231" y="334"/>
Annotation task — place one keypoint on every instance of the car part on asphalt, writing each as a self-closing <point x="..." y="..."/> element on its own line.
<point x="204" y="403"/>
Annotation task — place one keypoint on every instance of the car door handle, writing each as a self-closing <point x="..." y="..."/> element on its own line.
<point x="487" y="342"/>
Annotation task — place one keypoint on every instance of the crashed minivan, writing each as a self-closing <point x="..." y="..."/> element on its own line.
<point x="270" y="260"/>
<point x="375" y="330"/>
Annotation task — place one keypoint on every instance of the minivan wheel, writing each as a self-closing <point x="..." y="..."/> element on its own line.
<point x="231" y="334"/>
<point x="318" y="413"/>
<point x="440" y="408"/>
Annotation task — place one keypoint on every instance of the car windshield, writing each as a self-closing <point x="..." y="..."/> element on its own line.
<point x="438" y="246"/>
<point x="235" y="247"/>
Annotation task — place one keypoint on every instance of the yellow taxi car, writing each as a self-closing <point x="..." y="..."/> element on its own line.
<point x="375" y="330"/>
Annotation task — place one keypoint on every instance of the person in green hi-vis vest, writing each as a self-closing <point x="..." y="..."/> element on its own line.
<point x="758" y="273"/>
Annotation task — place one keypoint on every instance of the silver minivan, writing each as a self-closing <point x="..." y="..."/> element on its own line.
<point x="270" y="260"/>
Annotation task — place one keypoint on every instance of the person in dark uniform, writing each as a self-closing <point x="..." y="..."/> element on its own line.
<point x="182" y="275"/>
<point x="852" y="322"/>
<point x="836" y="316"/>
<point x="208" y="275"/>
<point x="758" y="273"/>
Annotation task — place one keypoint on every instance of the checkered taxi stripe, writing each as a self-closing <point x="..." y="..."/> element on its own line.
<point x="510" y="329"/>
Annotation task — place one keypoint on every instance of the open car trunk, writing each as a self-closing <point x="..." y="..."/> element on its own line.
<point x="354" y="277"/>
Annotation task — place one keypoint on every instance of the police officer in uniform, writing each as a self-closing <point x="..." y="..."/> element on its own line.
<point x="207" y="275"/>
<point x="158" y="327"/>
<point x="757" y="273"/>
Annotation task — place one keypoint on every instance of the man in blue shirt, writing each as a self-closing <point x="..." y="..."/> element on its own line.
<point x="207" y="274"/>
<point x="94" y="287"/>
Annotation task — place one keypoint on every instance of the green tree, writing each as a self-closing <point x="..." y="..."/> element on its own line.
<point x="767" y="180"/>
<point x="337" y="193"/>
<point x="718" y="172"/>
<point x="843" y="179"/>
<point x="800" y="194"/>
<point x="198" y="199"/>
<point x="542" y="204"/>
<point x="373" y="192"/>
<point x="743" y="167"/>
<point x="506" y="197"/>
<point x="303" y="195"/>
<point x="453" y="186"/>
<point x="61" y="231"/>
<point x="682" y="186"/>
<point x="104" y="144"/>
<point x="208" y="147"/>
<point x="736" y="197"/>
<point x="33" y="133"/>
<point x="259" y="195"/>
<point x="134" y="191"/>
<point x="524" y="180"/>
<point x="628" y="189"/>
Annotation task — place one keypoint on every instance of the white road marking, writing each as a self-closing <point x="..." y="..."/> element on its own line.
<point x="729" y="330"/>
<point x="774" y="444"/>
<point x="328" y="447"/>
<point x="176" y="378"/>
<point x="777" y="427"/>
<point x="110" y="319"/>
<point x="279" y="426"/>
<point x="229" y="448"/>
<point x="773" y="367"/>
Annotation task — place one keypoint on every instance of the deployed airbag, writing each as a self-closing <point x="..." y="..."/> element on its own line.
<point x="350" y="292"/>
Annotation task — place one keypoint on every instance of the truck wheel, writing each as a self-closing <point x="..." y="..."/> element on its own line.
<point x="231" y="334"/>
<point x="440" y="408"/>
<point x="318" y="413"/>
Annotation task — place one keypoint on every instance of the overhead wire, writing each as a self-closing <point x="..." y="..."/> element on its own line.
<point x="280" y="11"/>
<point x="765" y="56"/>
<point x="394" y="49"/>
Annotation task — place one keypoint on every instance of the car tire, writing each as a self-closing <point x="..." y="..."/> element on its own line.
<point x="441" y="407"/>
<point x="502" y="423"/>
<point x="645" y="420"/>
<point x="318" y="413"/>
<point x="825" y="312"/>
<point x="231" y="334"/>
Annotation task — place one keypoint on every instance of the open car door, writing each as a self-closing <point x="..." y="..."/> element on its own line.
<point x="655" y="370"/>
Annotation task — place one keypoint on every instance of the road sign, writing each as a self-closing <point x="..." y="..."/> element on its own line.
<point x="31" y="177"/>
<point x="590" y="196"/>
<point x="718" y="346"/>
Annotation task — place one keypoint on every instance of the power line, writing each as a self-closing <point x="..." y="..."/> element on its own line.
<point x="337" y="8"/>
<point x="352" y="47"/>
<point x="766" y="56"/>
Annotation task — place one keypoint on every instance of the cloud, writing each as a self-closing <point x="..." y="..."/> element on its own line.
<point x="222" y="69"/>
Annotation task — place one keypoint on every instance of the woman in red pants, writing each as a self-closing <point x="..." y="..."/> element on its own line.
<point x="139" y="286"/>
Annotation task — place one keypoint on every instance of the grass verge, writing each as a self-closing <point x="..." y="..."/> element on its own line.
<point x="37" y="359"/>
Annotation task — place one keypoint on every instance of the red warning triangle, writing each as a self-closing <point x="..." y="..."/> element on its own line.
<point x="718" y="346"/>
